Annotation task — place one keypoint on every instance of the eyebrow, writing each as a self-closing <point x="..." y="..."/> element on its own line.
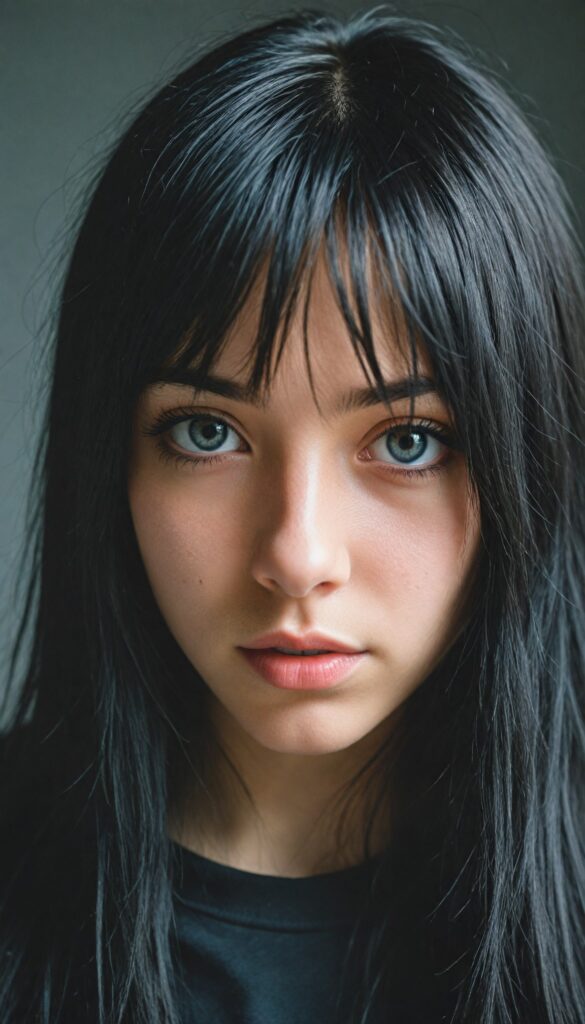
<point x="356" y="398"/>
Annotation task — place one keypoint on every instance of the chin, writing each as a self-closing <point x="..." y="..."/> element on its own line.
<point x="310" y="732"/>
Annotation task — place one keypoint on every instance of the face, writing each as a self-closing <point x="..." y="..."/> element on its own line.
<point x="287" y="517"/>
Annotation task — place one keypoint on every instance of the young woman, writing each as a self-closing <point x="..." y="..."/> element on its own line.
<point x="317" y="387"/>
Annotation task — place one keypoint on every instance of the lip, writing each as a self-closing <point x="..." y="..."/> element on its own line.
<point x="301" y="642"/>
<point x="298" y="672"/>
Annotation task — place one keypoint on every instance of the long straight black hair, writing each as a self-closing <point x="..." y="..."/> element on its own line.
<point x="373" y="131"/>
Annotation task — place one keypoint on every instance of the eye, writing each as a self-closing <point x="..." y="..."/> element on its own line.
<point x="416" y="449"/>
<point x="408" y="444"/>
<point x="203" y="435"/>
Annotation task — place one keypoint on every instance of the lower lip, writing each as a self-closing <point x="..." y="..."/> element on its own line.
<point x="313" y="672"/>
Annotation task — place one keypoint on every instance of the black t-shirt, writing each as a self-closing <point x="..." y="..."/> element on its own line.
<point x="260" y="949"/>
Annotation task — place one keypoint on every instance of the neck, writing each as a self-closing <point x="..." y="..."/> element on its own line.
<point x="283" y="814"/>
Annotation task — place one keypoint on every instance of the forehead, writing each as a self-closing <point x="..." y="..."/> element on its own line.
<point x="327" y="346"/>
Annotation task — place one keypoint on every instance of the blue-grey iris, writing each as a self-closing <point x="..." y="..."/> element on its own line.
<point x="409" y="443"/>
<point x="212" y="431"/>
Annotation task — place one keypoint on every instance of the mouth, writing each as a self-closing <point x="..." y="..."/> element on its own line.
<point x="302" y="670"/>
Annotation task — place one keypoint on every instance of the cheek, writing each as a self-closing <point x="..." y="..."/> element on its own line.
<point x="417" y="556"/>
<point x="421" y="536"/>
<point x="189" y="549"/>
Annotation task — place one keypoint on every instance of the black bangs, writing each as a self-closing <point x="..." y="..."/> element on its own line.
<point x="260" y="162"/>
<point x="272" y="226"/>
<point x="360" y="283"/>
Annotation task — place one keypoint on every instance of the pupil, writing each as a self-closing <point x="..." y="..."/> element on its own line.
<point x="213" y="433"/>
<point x="409" y="443"/>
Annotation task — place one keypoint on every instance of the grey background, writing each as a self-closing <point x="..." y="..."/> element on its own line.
<point x="71" y="73"/>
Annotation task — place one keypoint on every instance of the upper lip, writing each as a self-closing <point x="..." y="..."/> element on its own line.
<point x="305" y="641"/>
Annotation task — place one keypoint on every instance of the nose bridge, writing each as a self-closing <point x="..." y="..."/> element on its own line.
<point x="299" y="544"/>
<point x="301" y="477"/>
<point x="301" y="488"/>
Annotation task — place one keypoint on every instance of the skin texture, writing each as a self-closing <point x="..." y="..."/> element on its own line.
<point x="300" y="527"/>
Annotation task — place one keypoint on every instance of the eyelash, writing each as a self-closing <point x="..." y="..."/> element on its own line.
<point x="169" y="418"/>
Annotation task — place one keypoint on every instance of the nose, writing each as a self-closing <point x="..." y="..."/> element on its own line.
<point x="299" y="540"/>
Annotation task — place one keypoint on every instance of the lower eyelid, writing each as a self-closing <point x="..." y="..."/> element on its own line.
<point x="183" y="458"/>
<point x="430" y="470"/>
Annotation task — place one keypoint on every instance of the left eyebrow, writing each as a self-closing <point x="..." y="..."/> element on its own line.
<point x="356" y="398"/>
